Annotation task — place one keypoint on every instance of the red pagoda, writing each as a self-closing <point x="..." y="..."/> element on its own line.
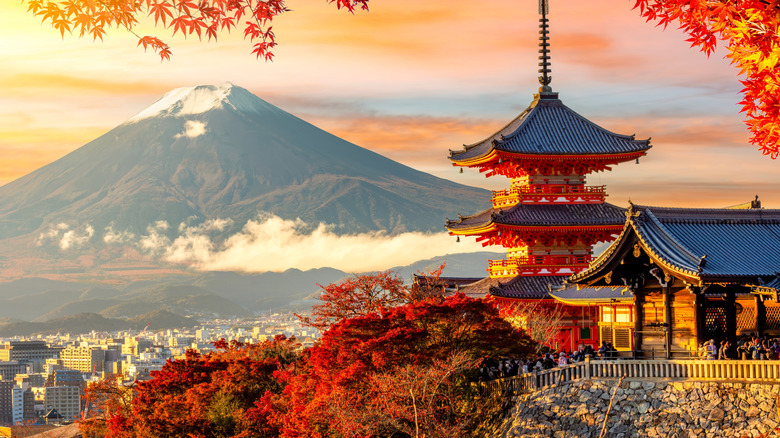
<point x="548" y="220"/>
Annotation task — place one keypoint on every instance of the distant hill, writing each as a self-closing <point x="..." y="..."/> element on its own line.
<point x="87" y="322"/>
<point x="208" y="294"/>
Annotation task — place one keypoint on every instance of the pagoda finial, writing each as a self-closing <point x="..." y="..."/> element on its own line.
<point x="544" y="48"/>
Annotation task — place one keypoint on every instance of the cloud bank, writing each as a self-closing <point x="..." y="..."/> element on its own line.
<point x="266" y="243"/>
<point x="270" y="243"/>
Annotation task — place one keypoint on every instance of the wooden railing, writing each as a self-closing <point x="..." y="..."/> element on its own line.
<point x="536" y="192"/>
<point x="760" y="371"/>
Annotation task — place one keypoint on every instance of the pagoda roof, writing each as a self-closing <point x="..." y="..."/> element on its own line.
<point x="584" y="295"/>
<point x="532" y="287"/>
<point x="700" y="245"/>
<point x="543" y="215"/>
<point x="548" y="127"/>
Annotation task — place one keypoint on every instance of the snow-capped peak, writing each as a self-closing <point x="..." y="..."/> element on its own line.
<point x="203" y="98"/>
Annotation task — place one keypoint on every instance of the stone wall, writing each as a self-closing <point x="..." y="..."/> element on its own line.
<point x="645" y="408"/>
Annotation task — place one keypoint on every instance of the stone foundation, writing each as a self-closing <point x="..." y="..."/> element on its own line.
<point x="645" y="408"/>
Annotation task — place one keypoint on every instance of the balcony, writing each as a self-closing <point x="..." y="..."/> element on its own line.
<point x="549" y="193"/>
<point x="539" y="265"/>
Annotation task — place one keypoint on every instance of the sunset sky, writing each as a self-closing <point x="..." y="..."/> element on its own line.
<point x="410" y="79"/>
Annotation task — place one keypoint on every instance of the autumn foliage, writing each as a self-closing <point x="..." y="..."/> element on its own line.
<point x="202" y="18"/>
<point x="750" y="30"/>
<point x="396" y="370"/>
<point x="381" y="360"/>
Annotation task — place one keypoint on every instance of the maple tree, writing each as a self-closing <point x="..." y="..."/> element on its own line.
<point x="189" y="17"/>
<point x="341" y="374"/>
<point x="751" y="32"/>
<point x="365" y="294"/>
<point x="220" y="394"/>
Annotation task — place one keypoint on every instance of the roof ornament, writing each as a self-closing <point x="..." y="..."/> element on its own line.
<point x="756" y="203"/>
<point x="631" y="212"/>
<point x="702" y="264"/>
<point x="544" y="48"/>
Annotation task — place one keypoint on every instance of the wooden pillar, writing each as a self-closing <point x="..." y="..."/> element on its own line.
<point x="638" y="321"/>
<point x="700" y="307"/>
<point x="731" y="316"/>
<point x="668" y="320"/>
<point x="760" y="317"/>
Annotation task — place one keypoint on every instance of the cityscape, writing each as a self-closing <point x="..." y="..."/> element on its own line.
<point x="42" y="378"/>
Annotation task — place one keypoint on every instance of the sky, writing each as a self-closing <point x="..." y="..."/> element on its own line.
<point x="410" y="80"/>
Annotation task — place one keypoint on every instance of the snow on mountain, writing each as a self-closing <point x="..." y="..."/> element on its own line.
<point x="203" y="98"/>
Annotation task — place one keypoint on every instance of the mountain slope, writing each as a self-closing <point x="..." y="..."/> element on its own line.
<point x="211" y="152"/>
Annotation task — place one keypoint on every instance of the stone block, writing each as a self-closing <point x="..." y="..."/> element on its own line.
<point x="716" y="414"/>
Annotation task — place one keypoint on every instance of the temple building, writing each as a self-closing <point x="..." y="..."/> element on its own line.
<point x="548" y="219"/>
<point x="677" y="277"/>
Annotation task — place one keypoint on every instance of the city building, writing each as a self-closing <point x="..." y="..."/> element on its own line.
<point x="66" y="400"/>
<point x="86" y="359"/>
<point x="35" y="352"/>
<point x="9" y="370"/>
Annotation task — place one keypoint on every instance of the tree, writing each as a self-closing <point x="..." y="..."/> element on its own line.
<point x="751" y="32"/>
<point x="220" y="394"/>
<point x="340" y="376"/>
<point x="368" y="294"/>
<point x="541" y="321"/>
<point x="202" y="17"/>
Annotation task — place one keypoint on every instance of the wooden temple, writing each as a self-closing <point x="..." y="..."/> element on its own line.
<point x="677" y="277"/>
<point x="548" y="219"/>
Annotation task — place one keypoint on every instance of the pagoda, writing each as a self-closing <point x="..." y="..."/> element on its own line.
<point x="548" y="220"/>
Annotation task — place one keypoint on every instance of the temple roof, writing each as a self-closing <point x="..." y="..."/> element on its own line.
<point x="548" y="127"/>
<point x="708" y="245"/>
<point x="533" y="287"/>
<point x="544" y="215"/>
<point x="578" y="295"/>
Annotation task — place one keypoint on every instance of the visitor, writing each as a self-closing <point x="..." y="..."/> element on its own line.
<point x="562" y="359"/>
<point x="712" y="350"/>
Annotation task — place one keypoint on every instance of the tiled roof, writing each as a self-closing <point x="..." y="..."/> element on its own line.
<point x="532" y="287"/>
<point x="480" y="288"/>
<point x="548" y="127"/>
<point x="592" y="294"/>
<point x="739" y="245"/>
<point x="735" y="242"/>
<point x="545" y="215"/>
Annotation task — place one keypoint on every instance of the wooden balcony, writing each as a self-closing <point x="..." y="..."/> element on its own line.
<point x="539" y="265"/>
<point x="549" y="193"/>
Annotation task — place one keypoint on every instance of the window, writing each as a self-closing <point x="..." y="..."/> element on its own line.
<point x="584" y="332"/>
<point x="623" y="314"/>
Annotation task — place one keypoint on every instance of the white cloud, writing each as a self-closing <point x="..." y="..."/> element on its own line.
<point x="66" y="238"/>
<point x="111" y="236"/>
<point x="270" y="243"/>
<point x="192" y="129"/>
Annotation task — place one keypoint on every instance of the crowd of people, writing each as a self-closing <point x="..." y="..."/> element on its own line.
<point x="747" y="347"/>
<point x="544" y="360"/>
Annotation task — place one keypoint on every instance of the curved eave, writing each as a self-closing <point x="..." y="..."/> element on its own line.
<point x="471" y="231"/>
<point x="596" y="265"/>
<point x="494" y="155"/>
<point x="497" y="226"/>
<point x="626" y="299"/>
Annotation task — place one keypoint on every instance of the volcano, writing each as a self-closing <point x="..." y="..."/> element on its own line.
<point x="220" y="152"/>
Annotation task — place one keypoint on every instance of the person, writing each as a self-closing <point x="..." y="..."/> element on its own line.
<point x="562" y="360"/>
<point x="712" y="350"/>
<point x="603" y="351"/>
<point x="742" y="350"/>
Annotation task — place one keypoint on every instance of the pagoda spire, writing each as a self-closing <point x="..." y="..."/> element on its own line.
<point x="544" y="48"/>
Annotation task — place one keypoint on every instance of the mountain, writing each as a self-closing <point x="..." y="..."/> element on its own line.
<point x="220" y="152"/>
<point x="86" y="322"/>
